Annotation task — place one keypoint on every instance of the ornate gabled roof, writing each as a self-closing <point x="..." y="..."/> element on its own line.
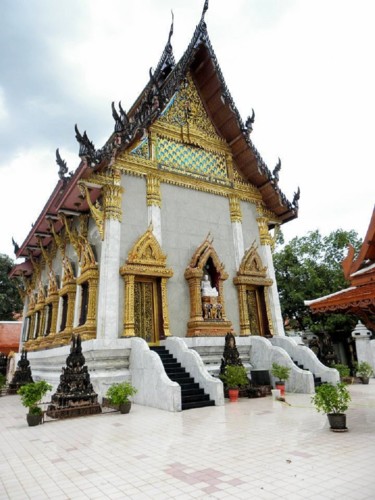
<point x="199" y="61"/>
<point x="359" y="298"/>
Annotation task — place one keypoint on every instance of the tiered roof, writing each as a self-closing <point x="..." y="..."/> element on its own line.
<point x="359" y="298"/>
<point x="200" y="61"/>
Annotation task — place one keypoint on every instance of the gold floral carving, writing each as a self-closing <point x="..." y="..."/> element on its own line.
<point x="265" y="237"/>
<point x="153" y="190"/>
<point x="197" y="325"/>
<point x="146" y="258"/>
<point x="96" y="209"/>
<point x="112" y="194"/>
<point x="187" y="112"/>
<point x="235" y="209"/>
<point x="251" y="275"/>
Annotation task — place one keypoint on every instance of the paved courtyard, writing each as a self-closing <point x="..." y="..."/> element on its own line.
<point x="253" y="449"/>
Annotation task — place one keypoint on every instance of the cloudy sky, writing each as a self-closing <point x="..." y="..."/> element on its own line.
<point x="305" y="66"/>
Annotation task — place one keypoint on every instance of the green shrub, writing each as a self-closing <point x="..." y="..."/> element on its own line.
<point x="235" y="376"/>
<point x="343" y="370"/>
<point x="331" y="398"/>
<point x="281" y="372"/>
<point x="364" y="369"/>
<point x="32" y="394"/>
<point x="118" y="394"/>
<point x="3" y="381"/>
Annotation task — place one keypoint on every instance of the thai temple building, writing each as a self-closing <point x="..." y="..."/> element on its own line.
<point x="163" y="237"/>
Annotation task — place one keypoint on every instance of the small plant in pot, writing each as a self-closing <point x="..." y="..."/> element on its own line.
<point x="31" y="396"/>
<point x="281" y="373"/>
<point x="333" y="400"/>
<point x="118" y="396"/>
<point x="3" y="382"/>
<point x="344" y="372"/>
<point x="234" y="377"/>
<point x="364" y="371"/>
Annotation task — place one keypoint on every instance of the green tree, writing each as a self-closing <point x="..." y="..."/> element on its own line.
<point x="10" y="300"/>
<point x="308" y="268"/>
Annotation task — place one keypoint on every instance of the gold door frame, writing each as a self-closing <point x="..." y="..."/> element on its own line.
<point x="155" y="299"/>
<point x="251" y="275"/>
<point x="145" y="259"/>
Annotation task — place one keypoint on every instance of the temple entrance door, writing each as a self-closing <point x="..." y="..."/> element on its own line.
<point x="147" y="309"/>
<point x="256" y="306"/>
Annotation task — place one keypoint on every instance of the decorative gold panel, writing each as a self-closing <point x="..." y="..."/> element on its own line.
<point x="252" y="284"/>
<point x="145" y="259"/>
<point x="186" y="108"/>
<point x="144" y="310"/>
<point x="198" y="325"/>
<point x="141" y="149"/>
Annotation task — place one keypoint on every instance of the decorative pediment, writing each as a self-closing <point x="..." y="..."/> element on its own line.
<point x="146" y="257"/>
<point x="202" y="255"/>
<point x="147" y="251"/>
<point x="251" y="264"/>
<point x="186" y="110"/>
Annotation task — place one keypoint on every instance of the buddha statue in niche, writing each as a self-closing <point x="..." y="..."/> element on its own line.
<point x="206" y="289"/>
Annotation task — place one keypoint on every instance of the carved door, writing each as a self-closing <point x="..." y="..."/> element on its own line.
<point x="257" y="311"/>
<point x="147" y="309"/>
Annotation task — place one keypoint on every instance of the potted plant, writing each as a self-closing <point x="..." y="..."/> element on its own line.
<point x="364" y="371"/>
<point x="234" y="377"/>
<point x="118" y="396"/>
<point x="31" y="396"/>
<point x="333" y="400"/>
<point x="344" y="372"/>
<point x="281" y="373"/>
<point x="3" y="381"/>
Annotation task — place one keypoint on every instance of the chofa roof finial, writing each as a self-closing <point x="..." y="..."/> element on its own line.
<point x="171" y="30"/>
<point x="205" y="9"/>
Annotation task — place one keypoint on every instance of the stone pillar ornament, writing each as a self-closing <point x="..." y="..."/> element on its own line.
<point x="362" y="337"/>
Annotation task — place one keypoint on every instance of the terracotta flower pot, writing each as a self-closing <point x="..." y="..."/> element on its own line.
<point x="233" y="395"/>
<point x="281" y="387"/>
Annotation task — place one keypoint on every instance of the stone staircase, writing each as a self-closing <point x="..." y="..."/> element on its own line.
<point x="317" y="380"/>
<point x="192" y="396"/>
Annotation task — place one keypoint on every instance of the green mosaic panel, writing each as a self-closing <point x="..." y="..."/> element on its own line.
<point x="141" y="150"/>
<point x="191" y="160"/>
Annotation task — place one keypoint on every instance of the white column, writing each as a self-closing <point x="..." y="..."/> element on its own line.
<point x="77" y="304"/>
<point x="154" y="218"/>
<point x="277" y="319"/>
<point x="109" y="282"/>
<point x="238" y="243"/>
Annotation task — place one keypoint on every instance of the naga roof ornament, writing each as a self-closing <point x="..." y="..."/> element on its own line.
<point x="63" y="169"/>
<point x="276" y="170"/>
<point x="88" y="152"/>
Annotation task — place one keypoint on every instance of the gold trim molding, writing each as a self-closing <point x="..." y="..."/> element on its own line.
<point x="251" y="274"/>
<point x="198" y="326"/>
<point x="146" y="258"/>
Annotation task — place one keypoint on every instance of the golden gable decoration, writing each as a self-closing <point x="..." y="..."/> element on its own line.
<point x="207" y="314"/>
<point x="253" y="298"/>
<point x="146" y="258"/>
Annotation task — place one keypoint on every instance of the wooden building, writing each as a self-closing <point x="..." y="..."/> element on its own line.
<point x="359" y="297"/>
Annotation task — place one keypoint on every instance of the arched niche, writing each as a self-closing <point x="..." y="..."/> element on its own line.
<point x="207" y="313"/>
<point x="145" y="276"/>
<point x="253" y="298"/>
